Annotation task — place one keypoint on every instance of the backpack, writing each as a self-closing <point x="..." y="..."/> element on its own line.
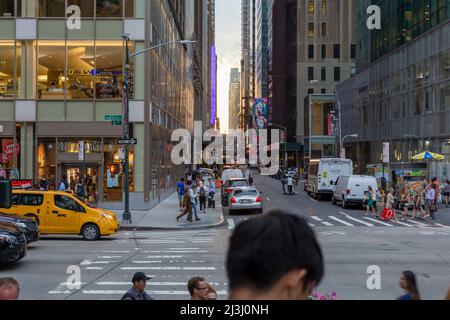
<point x="202" y="192"/>
<point x="80" y="190"/>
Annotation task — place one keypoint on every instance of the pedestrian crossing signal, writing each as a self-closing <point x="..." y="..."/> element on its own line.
<point x="114" y="169"/>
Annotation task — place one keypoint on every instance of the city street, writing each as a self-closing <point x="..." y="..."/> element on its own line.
<point x="351" y="243"/>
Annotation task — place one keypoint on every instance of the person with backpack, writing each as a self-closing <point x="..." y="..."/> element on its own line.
<point x="202" y="195"/>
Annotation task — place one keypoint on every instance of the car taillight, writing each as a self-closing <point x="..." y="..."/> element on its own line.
<point x="233" y="200"/>
<point x="348" y="191"/>
<point x="228" y="190"/>
<point x="258" y="199"/>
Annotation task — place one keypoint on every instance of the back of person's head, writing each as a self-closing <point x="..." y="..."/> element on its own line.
<point x="411" y="283"/>
<point x="182" y="179"/>
<point x="265" y="249"/>
<point x="9" y="289"/>
<point x="193" y="284"/>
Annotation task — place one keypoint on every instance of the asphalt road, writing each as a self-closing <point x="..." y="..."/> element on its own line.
<point x="351" y="244"/>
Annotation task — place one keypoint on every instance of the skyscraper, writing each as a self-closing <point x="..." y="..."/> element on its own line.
<point x="261" y="47"/>
<point x="234" y="99"/>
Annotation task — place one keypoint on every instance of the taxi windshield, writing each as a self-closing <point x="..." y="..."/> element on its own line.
<point x="90" y="205"/>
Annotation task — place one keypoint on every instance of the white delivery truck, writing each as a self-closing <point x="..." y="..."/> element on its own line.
<point x="323" y="174"/>
<point x="351" y="190"/>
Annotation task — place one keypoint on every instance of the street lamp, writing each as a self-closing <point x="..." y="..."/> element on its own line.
<point x="285" y="140"/>
<point x="345" y="137"/>
<point x="126" y="124"/>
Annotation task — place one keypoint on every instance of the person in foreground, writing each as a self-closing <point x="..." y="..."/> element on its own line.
<point x="137" y="292"/>
<point x="409" y="285"/>
<point x="273" y="257"/>
<point x="9" y="289"/>
<point x="198" y="288"/>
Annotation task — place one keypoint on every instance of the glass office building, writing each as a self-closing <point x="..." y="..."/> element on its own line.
<point x="60" y="83"/>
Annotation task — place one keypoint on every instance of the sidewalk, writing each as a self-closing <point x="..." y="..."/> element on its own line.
<point x="163" y="216"/>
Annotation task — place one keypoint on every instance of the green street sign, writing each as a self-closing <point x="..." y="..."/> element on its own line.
<point x="116" y="123"/>
<point x="113" y="117"/>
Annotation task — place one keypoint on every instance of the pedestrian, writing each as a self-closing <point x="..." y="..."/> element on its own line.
<point x="187" y="207"/>
<point x="202" y="191"/>
<point x="380" y="204"/>
<point x="370" y="201"/>
<point x="62" y="185"/>
<point x="137" y="291"/>
<point x="9" y="289"/>
<point x="390" y="201"/>
<point x="446" y="192"/>
<point x="180" y="191"/>
<point x="250" y="179"/>
<point x="73" y="184"/>
<point x="283" y="183"/>
<point x="80" y="189"/>
<point x="290" y="184"/>
<point x="409" y="285"/>
<point x="417" y="206"/>
<point x="404" y="201"/>
<point x="211" y="194"/>
<point x="193" y="198"/>
<point x="212" y="294"/>
<point x="260" y="268"/>
<point x="429" y="200"/>
<point x="198" y="288"/>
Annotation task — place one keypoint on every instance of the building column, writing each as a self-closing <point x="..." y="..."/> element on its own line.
<point x="26" y="151"/>
<point x="139" y="158"/>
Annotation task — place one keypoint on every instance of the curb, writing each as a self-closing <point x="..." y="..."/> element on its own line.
<point x="143" y="228"/>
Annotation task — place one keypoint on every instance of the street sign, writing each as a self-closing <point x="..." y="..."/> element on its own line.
<point x="113" y="117"/>
<point x="116" y="123"/>
<point x="127" y="141"/>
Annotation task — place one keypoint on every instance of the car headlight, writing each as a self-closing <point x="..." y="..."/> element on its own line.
<point x="106" y="215"/>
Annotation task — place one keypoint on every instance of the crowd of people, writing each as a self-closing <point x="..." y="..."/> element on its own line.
<point x="424" y="200"/>
<point x="195" y="195"/>
<point x="258" y="268"/>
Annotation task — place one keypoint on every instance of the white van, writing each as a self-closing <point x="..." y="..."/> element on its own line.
<point x="351" y="190"/>
<point x="323" y="174"/>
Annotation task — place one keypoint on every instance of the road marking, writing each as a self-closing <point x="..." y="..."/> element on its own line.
<point x="94" y="268"/>
<point x="418" y="223"/>
<point x="311" y="224"/>
<point x="313" y="200"/>
<point x="127" y="283"/>
<point x="180" y="251"/>
<point x="184" y="248"/>
<point x="268" y="199"/>
<point x="168" y="268"/>
<point x="402" y="223"/>
<point x="153" y="292"/>
<point x="59" y="292"/>
<point x="380" y="222"/>
<point x="147" y="261"/>
<point x="357" y="220"/>
<point x="115" y="251"/>
<point x="164" y="257"/>
<point x="109" y="257"/>
<point x="231" y="224"/>
<point x="341" y="221"/>
<point x="321" y="221"/>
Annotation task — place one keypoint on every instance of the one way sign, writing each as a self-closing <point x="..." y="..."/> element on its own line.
<point x="127" y="141"/>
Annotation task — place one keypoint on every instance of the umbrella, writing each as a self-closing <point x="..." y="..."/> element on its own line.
<point x="427" y="156"/>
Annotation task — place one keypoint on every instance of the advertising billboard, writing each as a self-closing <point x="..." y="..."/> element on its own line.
<point x="260" y="112"/>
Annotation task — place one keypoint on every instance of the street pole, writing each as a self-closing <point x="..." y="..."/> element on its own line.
<point x="126" y="135"/>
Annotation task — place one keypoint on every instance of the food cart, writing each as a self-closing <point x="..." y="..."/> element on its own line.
<point x="411" y="176"/>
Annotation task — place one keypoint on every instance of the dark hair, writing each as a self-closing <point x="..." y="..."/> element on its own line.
<point x="189" y="182"/>
<point x="193" y="284"/>
<point x="262" y="250"/>
<point x="411" y="284"/>
<point x="182" y="179"/>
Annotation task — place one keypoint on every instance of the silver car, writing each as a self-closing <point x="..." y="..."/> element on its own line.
<point x="245" y="198"/>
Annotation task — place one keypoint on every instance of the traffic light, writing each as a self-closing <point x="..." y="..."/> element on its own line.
<point x="114" y="169"/>
<point x="5" y="194"/>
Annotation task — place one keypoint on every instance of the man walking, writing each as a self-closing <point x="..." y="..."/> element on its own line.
<point x="180" y="191"/>
<point x="198" y="288"/>
<point x="202" y="192"/>
<point x="137" y="292"/>
<point x="259" y="268"/>
<point x="429" y="201"/>
<point x="212" y="192"/>
<point x="193" y="197"/>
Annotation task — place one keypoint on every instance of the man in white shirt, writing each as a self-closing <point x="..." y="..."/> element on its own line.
<point x="429" y="199"/>
<point x="193" y="197"/>
<point x="290" y="183"/>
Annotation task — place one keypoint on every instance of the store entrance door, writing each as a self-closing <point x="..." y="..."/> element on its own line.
<point x="75" y="172"/>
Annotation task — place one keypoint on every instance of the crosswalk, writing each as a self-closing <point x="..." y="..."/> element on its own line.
<point x="170" y="258"/>
<point x="348" y="220"/>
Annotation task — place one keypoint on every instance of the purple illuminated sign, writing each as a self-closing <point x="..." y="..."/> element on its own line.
<point x="213" y="85"/>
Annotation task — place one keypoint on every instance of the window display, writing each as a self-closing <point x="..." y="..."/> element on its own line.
<point x="80" y="66"/>
<point x="7" y="62"/>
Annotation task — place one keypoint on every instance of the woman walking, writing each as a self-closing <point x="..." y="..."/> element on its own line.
<point x="370" y="201"/>
<point x="409" y="285"/>
<point x="186" y="206"/>
<point x="417" y="206"/>
<point x="404" y="200"/>
<point x="446" y="192"/>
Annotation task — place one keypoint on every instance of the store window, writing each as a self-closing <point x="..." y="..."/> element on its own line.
<point x="80" y="66"/>
<point x="51" y="73"/>
<point x="52" y="8"/>
<point x="109" y="8"/>
<point x="311" y="29"/>
<point x="7" y="63"/>
<point x="7" y="8"/>
<point x="46" y="161"/>
<point x="109" y="70"/>
<point x="9" y="158"/>
<point x="86" y="7"/>
<point x="310" y="6"/>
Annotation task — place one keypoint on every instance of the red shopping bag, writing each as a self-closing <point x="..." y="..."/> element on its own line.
<point x="387" y="214"/>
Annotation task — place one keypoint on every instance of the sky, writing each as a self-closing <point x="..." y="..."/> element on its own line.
<point x="228" y="43"/>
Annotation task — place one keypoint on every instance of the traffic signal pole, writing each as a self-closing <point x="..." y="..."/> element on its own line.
<point x="126" y="135"/>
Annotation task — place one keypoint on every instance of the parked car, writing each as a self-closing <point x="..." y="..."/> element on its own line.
<point x="58" y="212"/>
<point x="245" y="198"/>
<point x="13" y="243"/>
<point x="231" y="184"/>
<point x="26" y="225"/>
<point x="351" y="190"/>
<point x="231" y="173"/>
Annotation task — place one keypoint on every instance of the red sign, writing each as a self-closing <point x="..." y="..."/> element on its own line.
<point x="10" y="148"/>
<point x="20" y="183"/>
<point x="5" y="158"/>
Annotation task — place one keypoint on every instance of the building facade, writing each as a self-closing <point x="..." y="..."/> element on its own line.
<point x="60" y="85"/>
<point x="261" y="47"/>
<point x="245" y="63"/>
<point x="326" y="54"/>
<point x="402" y="96"/>
<point x="234" y="98"/>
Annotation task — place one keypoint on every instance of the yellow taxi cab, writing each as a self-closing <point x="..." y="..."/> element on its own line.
<point x="58" y="212"/>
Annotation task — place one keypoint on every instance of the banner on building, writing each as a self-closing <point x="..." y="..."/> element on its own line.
<point x="260" y="112"/>
<point x="333" y="123"/>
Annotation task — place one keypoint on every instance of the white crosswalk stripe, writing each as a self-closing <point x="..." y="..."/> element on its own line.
<point x="321" y="221"/>
<point x="357" y="220"/>
<point x="420" y="224"/>
<point x="402" y="223"/>
<point x="379" y="222"/>
<point x="341" y="221"/>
